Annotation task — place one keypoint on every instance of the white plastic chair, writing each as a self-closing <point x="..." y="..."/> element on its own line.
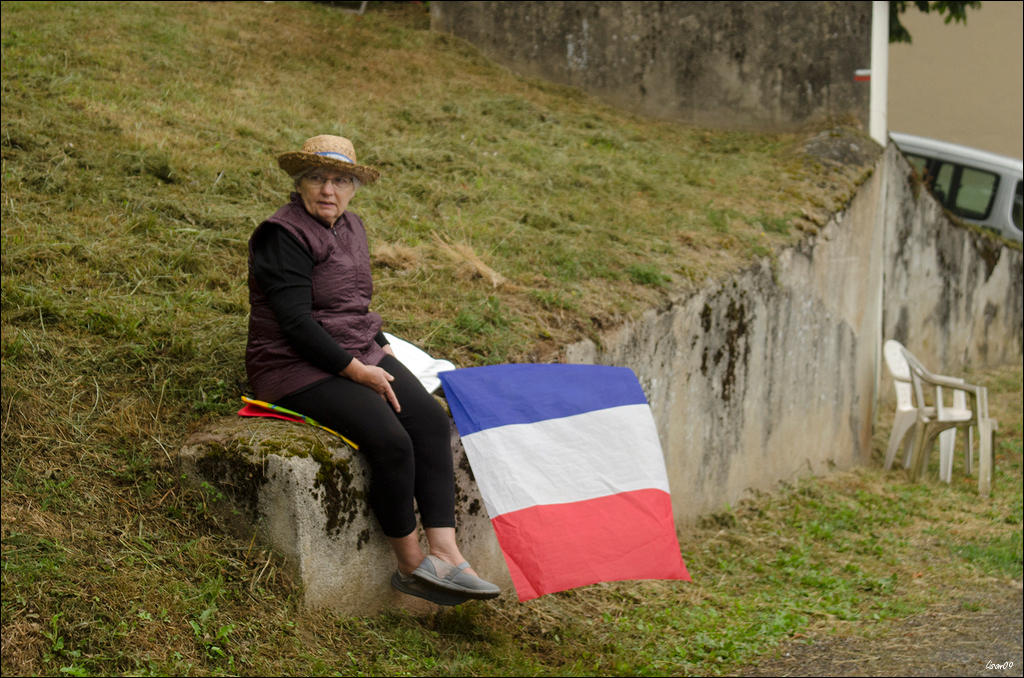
<point x="931" y="423"/>
<point x="906" y="410"/>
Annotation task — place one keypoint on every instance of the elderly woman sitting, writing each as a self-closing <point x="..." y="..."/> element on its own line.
<point x="315" y="347"/>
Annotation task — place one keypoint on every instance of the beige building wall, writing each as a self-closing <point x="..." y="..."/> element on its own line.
<point x="963" y="84"/>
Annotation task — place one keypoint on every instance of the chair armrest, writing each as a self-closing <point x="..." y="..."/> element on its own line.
<point x="919" y="373"/>
<point x="949" y="382"/>
<point x="936" y="379"/>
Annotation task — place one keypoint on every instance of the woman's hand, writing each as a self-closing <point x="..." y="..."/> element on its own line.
<point x="372" y="377"/>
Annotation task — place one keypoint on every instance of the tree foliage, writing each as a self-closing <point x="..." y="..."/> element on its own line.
<point x="954" y="11"/>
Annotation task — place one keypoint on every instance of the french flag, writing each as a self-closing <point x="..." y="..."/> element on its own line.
<point x="570" y="468"/>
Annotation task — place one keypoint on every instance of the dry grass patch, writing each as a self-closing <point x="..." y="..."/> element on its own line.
<point x="145" y="134"/>
<point x="396" y="257"/>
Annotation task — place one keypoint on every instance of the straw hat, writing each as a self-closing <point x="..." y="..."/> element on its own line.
<point x="327" y="151"/>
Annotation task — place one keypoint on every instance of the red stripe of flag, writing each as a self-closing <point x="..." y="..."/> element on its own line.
<point x="618" y="537"/>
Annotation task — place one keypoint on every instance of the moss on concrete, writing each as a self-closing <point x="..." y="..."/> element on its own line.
<point x="235" y="467"/>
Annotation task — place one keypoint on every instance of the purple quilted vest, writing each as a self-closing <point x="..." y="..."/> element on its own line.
<point x="342" y="289"/>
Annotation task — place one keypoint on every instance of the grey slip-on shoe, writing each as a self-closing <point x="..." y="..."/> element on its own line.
<point x="414" y="587"/>
<point x="437" y="574"/>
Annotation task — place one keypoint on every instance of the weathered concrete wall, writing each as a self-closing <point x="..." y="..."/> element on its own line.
<point x="753" y="65"/>
<point x="953" y="295"/>
<point x="772" y="374"/>
<point x="767" y="376"/>
<point x="302" y="491"/>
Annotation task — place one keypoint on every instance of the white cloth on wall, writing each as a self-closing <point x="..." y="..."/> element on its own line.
<point x="419" y="362"/>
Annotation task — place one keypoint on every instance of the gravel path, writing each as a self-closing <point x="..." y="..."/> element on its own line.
<point x="975" y="636"/>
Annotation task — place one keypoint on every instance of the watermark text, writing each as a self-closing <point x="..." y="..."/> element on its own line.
<point x="1003" y="667"/>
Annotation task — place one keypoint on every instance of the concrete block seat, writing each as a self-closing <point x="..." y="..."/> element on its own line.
<point x="301" y="491"/>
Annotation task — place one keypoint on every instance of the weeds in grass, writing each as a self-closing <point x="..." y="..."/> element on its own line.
<point x="1001" y="555"/>
<point x="648" y="274"/>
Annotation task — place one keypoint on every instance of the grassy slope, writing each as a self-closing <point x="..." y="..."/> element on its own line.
<point x="138" y="146"/>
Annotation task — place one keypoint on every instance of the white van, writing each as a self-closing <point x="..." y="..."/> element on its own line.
<point x="979" y="187"/>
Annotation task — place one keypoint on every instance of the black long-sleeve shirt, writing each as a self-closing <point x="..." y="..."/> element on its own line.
<point x="284" y="270"/>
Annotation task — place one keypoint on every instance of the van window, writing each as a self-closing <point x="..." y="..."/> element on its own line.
<point x="943" y="182"/>
<point x="975" y="193"/>
<point x="919" y="163"/>
<point x="1018" y="201"/>
<point x="966" y="191"/>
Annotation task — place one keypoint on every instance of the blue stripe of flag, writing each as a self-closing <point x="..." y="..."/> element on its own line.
<point x="498" y="395"/>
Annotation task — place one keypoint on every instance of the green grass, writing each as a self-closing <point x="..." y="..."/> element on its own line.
<point x="156" y="587"/>
<point x="839" y="554"/>
<point x="138" y="148"/>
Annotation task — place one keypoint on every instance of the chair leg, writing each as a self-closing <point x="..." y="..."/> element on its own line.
<point x="917" y="460"/>
<point x="947" y="445"/>
<point x="969" y="456"/>
<point x="903" y="422"/>
<point x="922" y="451"/>
<point x="908" y="448"/>
<point x="984" y="456"/>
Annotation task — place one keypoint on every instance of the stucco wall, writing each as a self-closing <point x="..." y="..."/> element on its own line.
<point x="772" y="374"/>
<point x="754" y="65"/>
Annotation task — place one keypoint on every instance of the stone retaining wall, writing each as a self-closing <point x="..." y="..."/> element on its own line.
<point x="752" y="65"/>
<point x="775" y="373"/>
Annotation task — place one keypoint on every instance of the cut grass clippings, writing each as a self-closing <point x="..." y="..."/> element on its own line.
<point x="138" y="144"/>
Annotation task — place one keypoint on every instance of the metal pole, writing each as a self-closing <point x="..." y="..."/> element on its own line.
<point x="877" y="119"/>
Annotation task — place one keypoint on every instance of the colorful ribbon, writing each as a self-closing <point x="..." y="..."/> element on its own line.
<point x="301" y="417"/>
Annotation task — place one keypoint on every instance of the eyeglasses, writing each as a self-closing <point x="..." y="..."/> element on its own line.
<point x="338" y="182"/>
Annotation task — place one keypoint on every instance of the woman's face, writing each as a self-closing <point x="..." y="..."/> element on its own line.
<point x="325" y="193"/>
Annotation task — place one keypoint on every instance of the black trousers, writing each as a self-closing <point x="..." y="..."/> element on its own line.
<point x="409" y="452"/>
